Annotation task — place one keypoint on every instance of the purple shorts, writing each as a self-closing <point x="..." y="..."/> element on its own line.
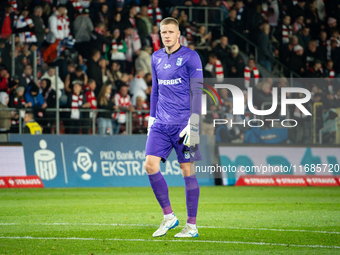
<point x="163" y="137"/>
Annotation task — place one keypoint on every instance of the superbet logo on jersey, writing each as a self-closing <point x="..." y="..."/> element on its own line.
<point x="239" y="104"/>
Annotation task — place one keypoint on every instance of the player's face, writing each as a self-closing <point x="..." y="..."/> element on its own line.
<point x="170" y="35"/>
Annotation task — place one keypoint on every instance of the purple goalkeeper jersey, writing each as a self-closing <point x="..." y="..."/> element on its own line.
<point x="172" y="96"/>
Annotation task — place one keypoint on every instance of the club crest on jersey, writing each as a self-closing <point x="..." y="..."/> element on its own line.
<point x="179" y="61"/>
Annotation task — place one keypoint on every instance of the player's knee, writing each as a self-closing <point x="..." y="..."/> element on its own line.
<point x="150" y="167"/>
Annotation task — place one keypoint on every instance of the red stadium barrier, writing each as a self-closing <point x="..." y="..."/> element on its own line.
<point x="291" y="181"/>
<point x="32" y="181"/>
<point x="256" y="181"/>
<point x="3" y="183"/>
<point x="322" y="181"/>
<point x="252" y="180"/>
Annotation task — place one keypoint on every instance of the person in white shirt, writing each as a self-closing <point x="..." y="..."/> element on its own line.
<point x="50" y="74"/>
<point x="138" y="87"/>
<point x="59" y="25"/>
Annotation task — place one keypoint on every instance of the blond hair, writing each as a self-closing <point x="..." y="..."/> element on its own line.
<point x="169" y="20"/>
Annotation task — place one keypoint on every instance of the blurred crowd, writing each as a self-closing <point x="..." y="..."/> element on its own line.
<point x="103" y="49"/>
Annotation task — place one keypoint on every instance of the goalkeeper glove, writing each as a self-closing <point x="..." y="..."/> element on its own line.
<point x="150" y="123"/>
<point x="190" y="132"/>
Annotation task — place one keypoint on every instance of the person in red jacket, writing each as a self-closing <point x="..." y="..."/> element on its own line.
<point x="4" y="75"/>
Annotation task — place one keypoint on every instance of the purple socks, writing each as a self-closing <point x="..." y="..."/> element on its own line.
<point x="160" y="188"/>
<point x="192" y="192"/>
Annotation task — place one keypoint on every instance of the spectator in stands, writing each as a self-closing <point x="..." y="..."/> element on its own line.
<point x="332" y="22"/>
<point x="298" y="24"/>
<point x="76" y="101"/>
<point x="4" y="76"/>
<point x="91" y="103"/>
<point x="314" y="71"/>
<point x="251" y="74"/>
<point x="288" y="49"/>
<point x="75" y="73"/>
<point x="94" y="71"/>
<point x="51" y="75"/>
<point x="114" y="73"/>
<point x="282" y="82"/>
<point x="82" y="28"/>
<point x="118" y="49"/>
<point x="229" y="25"/>
<point x="16" y="98"/>
<point x="155" y="13"/>
<point x="122" y="100"/>
<point x="297" y="61"/>
<point x="222" y="50"/>
<point x="154" y="40"/>
<point x="27" y="76"/>
<point x="144" y="24"/>
<point x="202" y="38"/>
<point x="39" y="27"/>
<point x="50" y="97"/>
<point x="263" y="95"/>
<point x="226" y="133"/>
<point x="298" y="9"/>
<point x="105" y="72"/>
<point x="25" y="26"/>
<point x="33" y="96"/>
<point x="265" y="47"/>
<point x="243" y="24"/>
<point x="140" y="119"/>
<point x="334" y="37"/>
<point x="26" y="55"/>
<point x="104" y="119"/>
<point x="143" y="61"/>
<point x="214" y="68"/>
<point x="312" y="18"/>
<point x="190" y="30"/>
<point x="227" y="104"/>
<point x="123" y="81"/>
<point x="59" y="25"/>
<point x="138" y="87"/>
<point x="5" y="116"/>
<point x="335" y="57"/>
<point x="98" y="38"/>
<point x="304" y="37"/>
<point x="286" y="30"/>
<point x="133" y="45"/>
<point x="103" y="15"/>
<point x="331" y="101"/>
<point x="312" y="53"/>
<point x="7" y="22"/>
<point x="328" y="71"/>
<point x="235" y="63"/>
<point x="322" y="44"/>
<point x="31" y="126"/>
<point x="117" y="22"/>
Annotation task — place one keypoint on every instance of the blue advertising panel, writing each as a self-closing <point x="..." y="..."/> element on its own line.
<point x="278" y="160"/>
<point x="97" y="161"/>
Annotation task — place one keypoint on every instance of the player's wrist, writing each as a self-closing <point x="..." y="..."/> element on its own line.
<point x="194" y="119"/>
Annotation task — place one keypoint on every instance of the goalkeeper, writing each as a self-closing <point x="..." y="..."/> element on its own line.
<point x="174" y="123"/>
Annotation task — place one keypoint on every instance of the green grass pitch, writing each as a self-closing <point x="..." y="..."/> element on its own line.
<point x="231" y="220"/>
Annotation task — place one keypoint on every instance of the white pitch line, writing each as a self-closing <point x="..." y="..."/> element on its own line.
<point x="153" y="225"/>
<point x="163" y="240"/>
